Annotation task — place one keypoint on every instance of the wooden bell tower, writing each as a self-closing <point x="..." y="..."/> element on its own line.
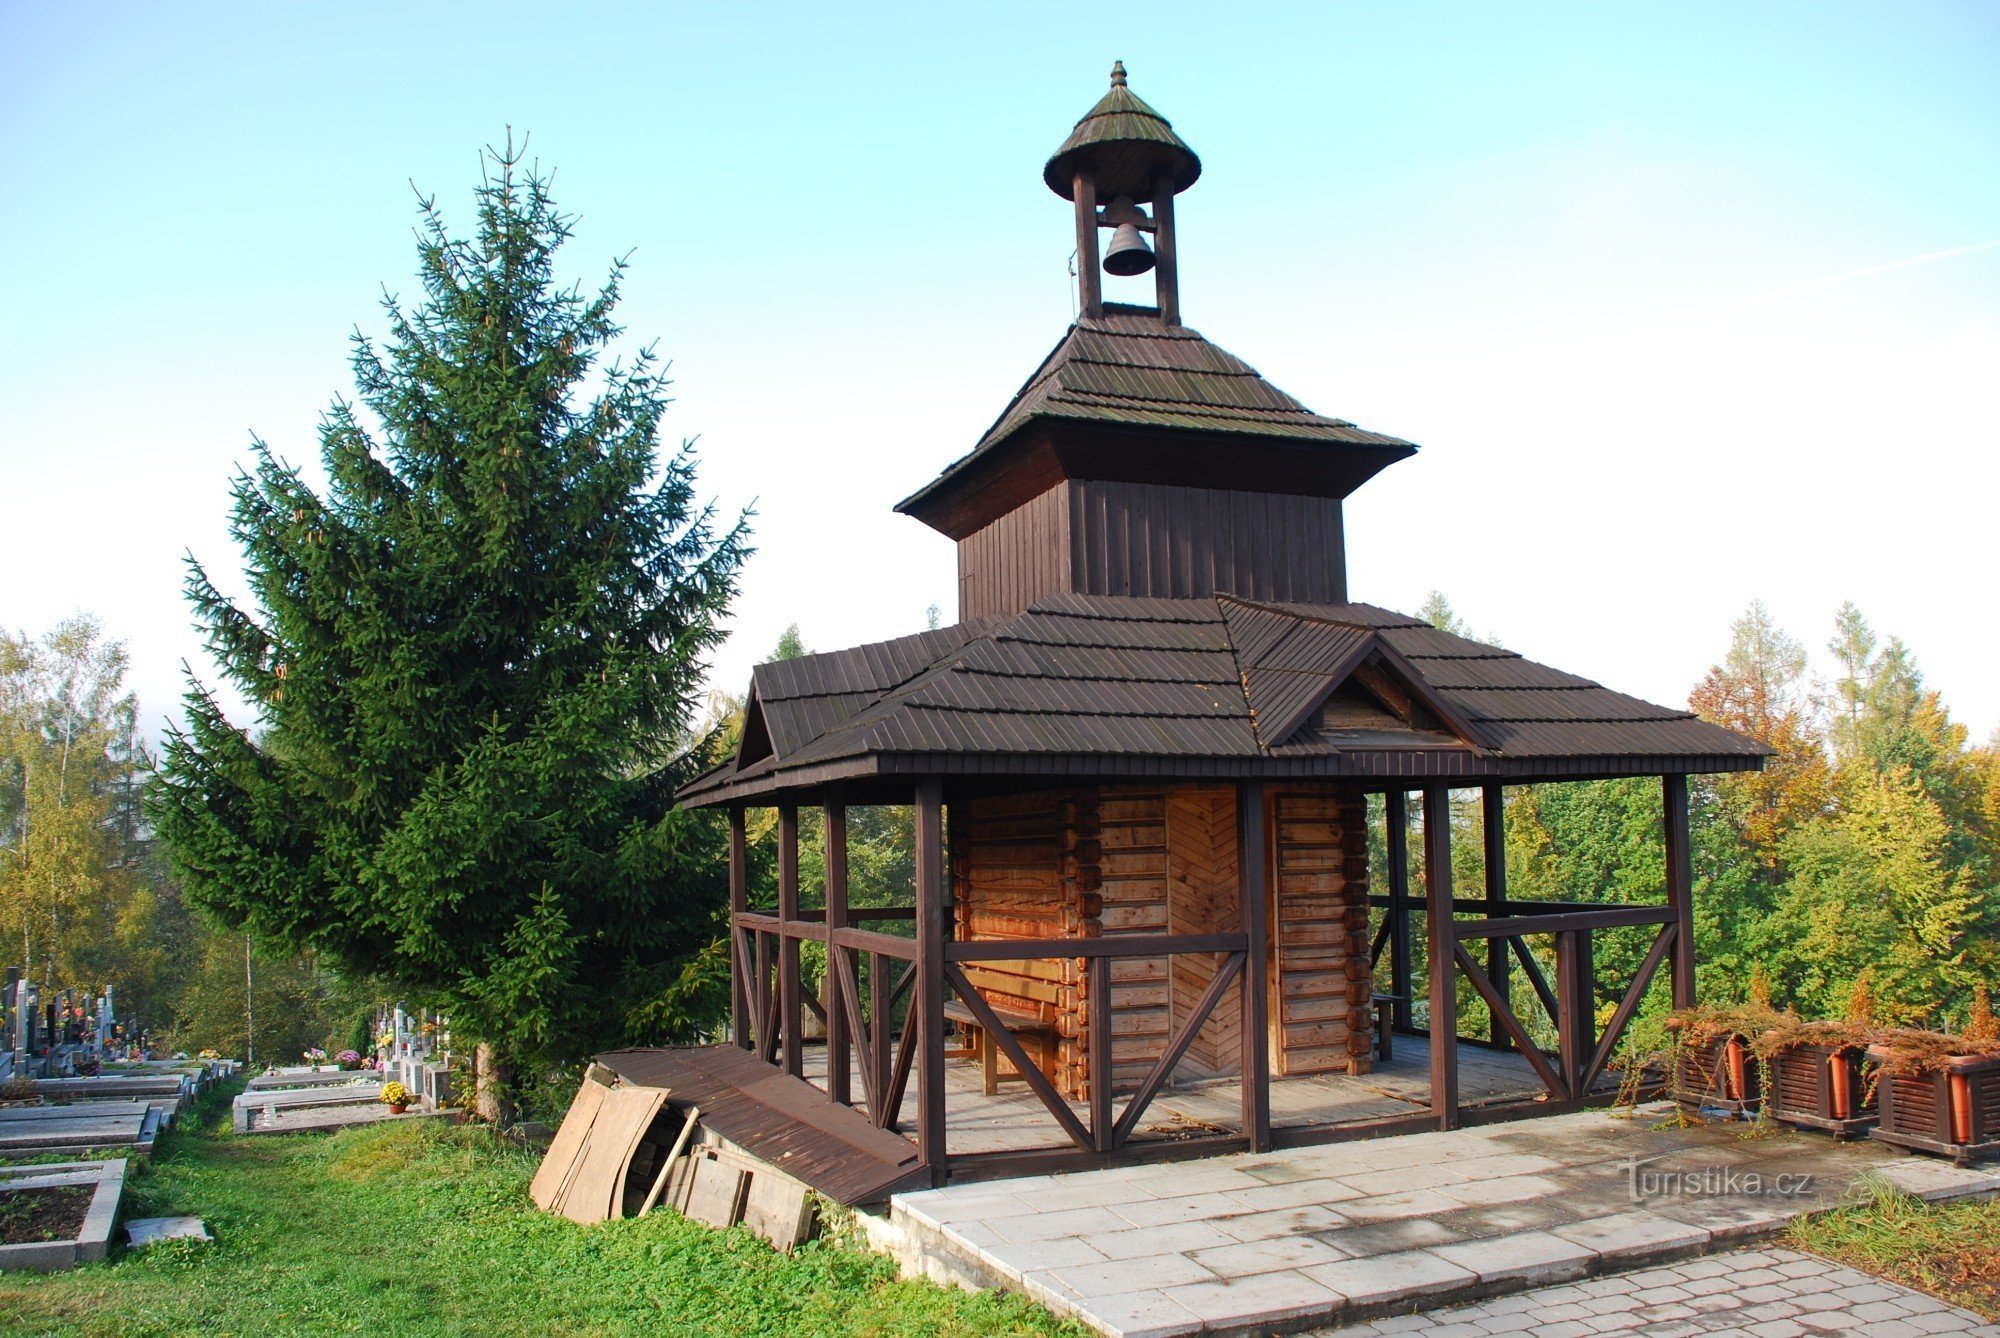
<point x="1141" y="459"/>
<point x="1120" y="154"/>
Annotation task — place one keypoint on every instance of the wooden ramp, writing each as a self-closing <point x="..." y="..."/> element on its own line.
<point x="778" y="1119"/>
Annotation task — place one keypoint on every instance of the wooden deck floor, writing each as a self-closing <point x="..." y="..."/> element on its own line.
<point x="1014" y="1120"/>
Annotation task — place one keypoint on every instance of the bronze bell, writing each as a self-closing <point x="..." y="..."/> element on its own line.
<point x="1129" y="253"/>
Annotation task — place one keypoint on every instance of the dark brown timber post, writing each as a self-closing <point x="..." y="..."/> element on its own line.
<point x="1255" y="894"/>
<point x="1166" y="261"/>
<point x="929" y="1003"/>
<point x="739" y="901"/>
<point x="1493" y="831"/>
<point x="839" y="1063"/>
<point x="790" y="1005"/>
<point x="1576" y="1006"/>
<point x="1090" y="284"/>
<point x="1440" y="949"/>
<point x="1680" y="887"/>
<point x="1099" y="1024"/>
<point x="1396" y="805"/>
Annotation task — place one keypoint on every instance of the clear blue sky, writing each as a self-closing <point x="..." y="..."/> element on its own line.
<point x="1687" y="304"/>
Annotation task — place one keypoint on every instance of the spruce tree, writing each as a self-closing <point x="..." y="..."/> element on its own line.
<point x="473" y="657"/>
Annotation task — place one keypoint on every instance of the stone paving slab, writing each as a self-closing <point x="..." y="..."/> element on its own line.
<point x="1776" y="1292"/>
<point x="1352" y="1231"/>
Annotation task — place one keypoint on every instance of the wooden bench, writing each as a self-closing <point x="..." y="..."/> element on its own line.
<point x="1385" y="1014"/>
<point x="1009" y="989"/>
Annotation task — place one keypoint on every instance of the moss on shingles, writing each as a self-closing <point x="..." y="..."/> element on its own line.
<point x="418" y="1228"/>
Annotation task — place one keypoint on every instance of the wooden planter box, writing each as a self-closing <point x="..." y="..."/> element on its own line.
<point x="1710" y="1079"/>
<point x="1953" y="1111"/>
<point x="1810" y="1090"/>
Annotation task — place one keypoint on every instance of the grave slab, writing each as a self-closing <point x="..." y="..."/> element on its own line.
<point x="143" y="1231"/>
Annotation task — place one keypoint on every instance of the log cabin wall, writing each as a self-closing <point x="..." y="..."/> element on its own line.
<point x="1008" y="859"/>
<point x="1089" y="861"/>
<point x="1154" y="539"/>
<point x="1321" y="988"/>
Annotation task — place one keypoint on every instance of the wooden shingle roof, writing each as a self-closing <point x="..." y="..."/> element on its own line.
<point x="1129" y="376"/>
<point x="1130" y="367"/>
<point x="1101" y="685"/>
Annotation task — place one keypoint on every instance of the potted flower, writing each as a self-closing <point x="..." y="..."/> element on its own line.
<point x="1940" y="1093"/>
<point x="396" y="1097"/>
<point x="348" y="1059"/>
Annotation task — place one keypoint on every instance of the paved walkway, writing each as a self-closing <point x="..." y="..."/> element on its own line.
<point x="1772" y="1293"/>
<point x="1355" y="1231"/>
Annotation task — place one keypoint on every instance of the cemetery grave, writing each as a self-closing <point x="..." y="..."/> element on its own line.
<point x="56" y="1216"/>
<point x="85" y="1126"/>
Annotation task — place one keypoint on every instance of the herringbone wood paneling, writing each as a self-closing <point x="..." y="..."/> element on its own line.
<point x="1202" y="898"/>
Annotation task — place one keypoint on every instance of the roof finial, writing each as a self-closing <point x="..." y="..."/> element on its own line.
<point x="1118" y="74"/>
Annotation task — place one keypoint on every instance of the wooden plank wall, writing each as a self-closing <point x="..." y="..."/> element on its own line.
<point x="1203" y="898"/>
<point x="1007" y="866"/>
<point x="1155" y="539"/>
<point x="1174" y="542"/>
<point x="1319" y="931"/>
<point x="1085" y="861"/>
<point x="1017" y="559"/>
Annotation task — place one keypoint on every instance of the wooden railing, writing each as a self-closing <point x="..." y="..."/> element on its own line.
<point x="864" y="994"/>
<point x="1104" y="1132"/>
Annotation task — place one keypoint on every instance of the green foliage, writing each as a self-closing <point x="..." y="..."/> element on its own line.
<point x="295" y="1003"/>
<point x="70" y="757"/>
<point x="1856" y="871"/>
<point x="474" y="657"/>
<point x="416" y="1228"/>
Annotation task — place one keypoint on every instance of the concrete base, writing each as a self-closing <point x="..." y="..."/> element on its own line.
<point x="1343" y="1232"/>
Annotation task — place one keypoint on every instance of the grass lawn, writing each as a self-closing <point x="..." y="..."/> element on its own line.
<point x="1950" y="1250"/>
<point x="414" y="1227"/>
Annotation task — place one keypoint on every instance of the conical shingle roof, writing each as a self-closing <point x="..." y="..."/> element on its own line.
<point x="1126" y="144"/>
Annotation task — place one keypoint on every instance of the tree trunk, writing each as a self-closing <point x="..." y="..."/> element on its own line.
<point x="491" y="1100"/>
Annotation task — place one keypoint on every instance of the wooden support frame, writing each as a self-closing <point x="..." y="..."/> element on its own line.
<point x="1441" y="951"/>
<point x="839" y="1049"/>
<point x="926" y="1023"/>
<point x="1493" y="837"/>
<point x="1089" y="282"/>
<point x="1254" y="893"/>
<point x="1166" y="258"/>
<point x="1396" y="812"/>
<point x="739" y="902"/>
<point x="1680" y="886"/>
<point x="790" y="1009"/>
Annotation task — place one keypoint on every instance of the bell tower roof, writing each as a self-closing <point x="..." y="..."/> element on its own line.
<point x="1124" y="395"/>
<point x="1127" y="146"/>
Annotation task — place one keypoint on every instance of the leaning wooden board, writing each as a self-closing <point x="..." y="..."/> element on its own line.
<point x="596" y="1193"/>
<point x="566" y="1149"/>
